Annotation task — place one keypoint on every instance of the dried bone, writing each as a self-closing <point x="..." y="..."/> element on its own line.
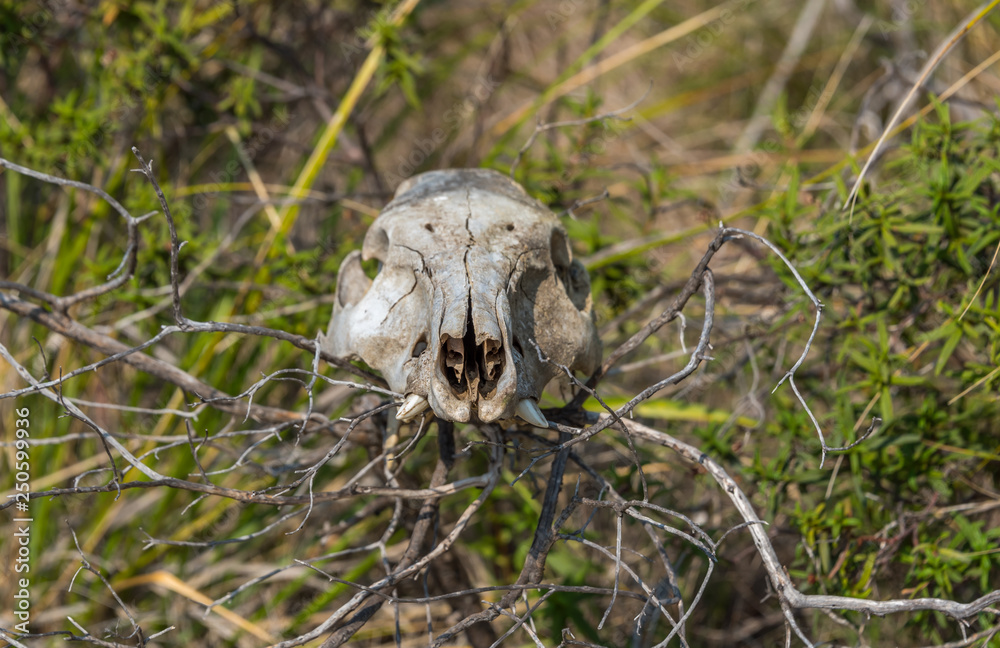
<point x="473" y="275"/>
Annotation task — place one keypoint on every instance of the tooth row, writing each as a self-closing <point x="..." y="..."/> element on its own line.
<point x="415" y="404"/>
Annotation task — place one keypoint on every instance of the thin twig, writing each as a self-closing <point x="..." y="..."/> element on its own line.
<point x="541" y="128"/>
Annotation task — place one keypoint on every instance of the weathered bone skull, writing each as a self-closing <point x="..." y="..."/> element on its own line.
<point x="474" y="273"/>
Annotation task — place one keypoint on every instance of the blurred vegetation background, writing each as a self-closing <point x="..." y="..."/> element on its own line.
<point x="756" y="114"/>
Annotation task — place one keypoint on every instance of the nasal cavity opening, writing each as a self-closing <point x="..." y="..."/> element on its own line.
<point x="490" y="357"/>
<point x="453" y="358"/>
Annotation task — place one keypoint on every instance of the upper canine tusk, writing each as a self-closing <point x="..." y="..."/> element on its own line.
<point x="528" y="410"/>
<point x="412" y="406"/>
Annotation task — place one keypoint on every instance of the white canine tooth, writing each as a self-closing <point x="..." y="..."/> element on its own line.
<point x="411" y="408"/>
<point x="528" y="410"/>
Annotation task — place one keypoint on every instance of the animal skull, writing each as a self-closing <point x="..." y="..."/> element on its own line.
<point x="474" y="274"/>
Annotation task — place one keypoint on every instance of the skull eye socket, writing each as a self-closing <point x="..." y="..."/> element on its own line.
<point x="376" y="245"/>
<point x="419" y="347"/>
<point x="559" y="248"/>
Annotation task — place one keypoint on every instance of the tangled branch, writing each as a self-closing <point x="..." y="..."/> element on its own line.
<point x="431" y="515"/>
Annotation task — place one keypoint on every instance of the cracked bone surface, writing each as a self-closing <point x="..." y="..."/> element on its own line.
<point x="475" y="278"/>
